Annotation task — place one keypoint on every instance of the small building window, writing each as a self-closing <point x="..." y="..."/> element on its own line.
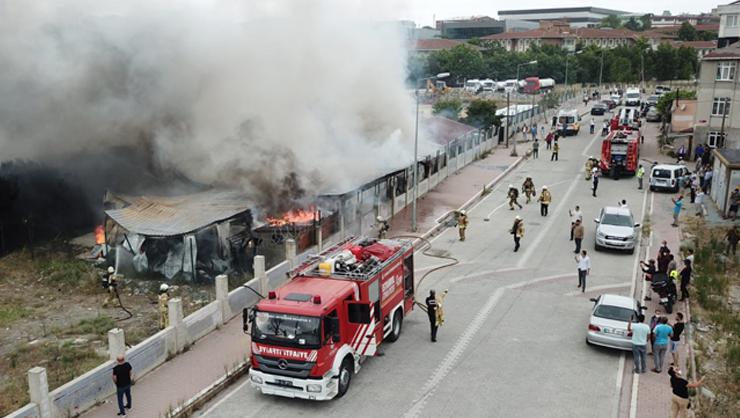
<point x="714" y="139"/>
<point x="731" y="21"/>
<point x="726" y="70"/>
<point x="721" y="106"/>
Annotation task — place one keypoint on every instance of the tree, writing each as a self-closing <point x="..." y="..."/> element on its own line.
<point x="646" y="21"/>
<point x="632" y="24"/>
<point x="482" y="114"/>
<point x="665" y="62"/>
<point x="687" y="62"/>
<point x="687" y="32"/>
<point x="611" y="21"/>
<point x="449" y="108"/>
<point x="462" y="61"/>
<point x="666" y="101"/>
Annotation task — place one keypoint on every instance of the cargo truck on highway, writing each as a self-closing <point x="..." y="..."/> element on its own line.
<point x="310" y="335"/>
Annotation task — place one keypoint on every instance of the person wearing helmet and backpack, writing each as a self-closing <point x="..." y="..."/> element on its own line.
<point x="110" y="285"/>
<point x="517" y="230"/>
<point x="164" y="298"/>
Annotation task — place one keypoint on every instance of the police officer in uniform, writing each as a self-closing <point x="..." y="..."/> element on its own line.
<point x="164" y="298"/>
<point x="431" y="303"/>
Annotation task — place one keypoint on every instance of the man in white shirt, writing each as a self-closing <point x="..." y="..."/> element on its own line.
<point x="640" y="333"/>
<point x="584" y="269"/>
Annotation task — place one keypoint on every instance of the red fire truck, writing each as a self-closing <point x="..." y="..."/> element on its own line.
<point x="620" y="152"/>
<point x="311" y="334"/>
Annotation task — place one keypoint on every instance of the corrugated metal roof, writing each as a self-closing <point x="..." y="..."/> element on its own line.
<point x="168" y="216"/>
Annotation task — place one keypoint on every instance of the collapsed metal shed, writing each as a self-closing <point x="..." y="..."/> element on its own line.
<point x="198" y="235"/>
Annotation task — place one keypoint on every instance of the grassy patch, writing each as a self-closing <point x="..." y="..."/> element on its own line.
<point x="63" y="363"/>
<point x="67" y="273"/>
<point x="100" y="325"/>
<point x="12" y="312"/>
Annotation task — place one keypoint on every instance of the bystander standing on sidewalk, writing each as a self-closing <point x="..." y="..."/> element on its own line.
<point x="732" y="239"/>
<point x="685" y="279"/>
<point x="640" y="174"/>
<point x="542" y="132"/>
<point x="640" y="333"/>
<point x="680" y="388"/>
<point x="525" y="131"/>
<point x="678" y="327"/>
<point x="662" y="333"/>
<point x="699" y="202"/>
<point x="584" y="269"/>
<point x="536" y="149"/>
<point x="734" y="203"/>
<point x="534" y="132"/>
<point x="548" y="140"/>
<point x="654" y="321"/>
<point x="578" y="232"/>
<point x="677" y="203"/>
<point x="123" y="378"/>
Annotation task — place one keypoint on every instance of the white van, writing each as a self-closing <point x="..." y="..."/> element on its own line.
<point x="473" y="85"/>
<point x="632" y="97"/>
<point x="569" y="121"/>
<point x="667" y="176"/>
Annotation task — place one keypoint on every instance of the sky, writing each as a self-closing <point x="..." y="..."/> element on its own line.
<point x="422" y="11"/>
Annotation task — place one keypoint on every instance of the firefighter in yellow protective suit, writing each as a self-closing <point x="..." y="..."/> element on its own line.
<point x="110" y="284"/>
<point x="588" y="167"/>
<point x="528" y="189"/>
<point x="164" y="298"/>
<point x="462" y="224"/>
<point x="440" y="308"/>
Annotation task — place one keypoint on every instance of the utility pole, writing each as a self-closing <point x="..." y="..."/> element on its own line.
<point x="513" y="147"/>
<point x="601" y="70"/>
<point x="508" y="120"/>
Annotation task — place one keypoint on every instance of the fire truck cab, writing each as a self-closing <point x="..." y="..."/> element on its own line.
<point x="620" y="153"/>
<point x="310" y="335"/>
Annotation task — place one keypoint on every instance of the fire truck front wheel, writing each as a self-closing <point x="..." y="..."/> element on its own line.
<point x="397" y="325"/>
<point x="346" y="370"/>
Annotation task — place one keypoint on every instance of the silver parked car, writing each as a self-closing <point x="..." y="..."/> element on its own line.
<point x="607" y="325"/>
<point x="652" y="115"/>
<point x="616" y="229"/>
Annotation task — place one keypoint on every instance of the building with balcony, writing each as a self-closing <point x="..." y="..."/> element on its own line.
<point x="717" y="119"/>
<point x="729" y="23"/>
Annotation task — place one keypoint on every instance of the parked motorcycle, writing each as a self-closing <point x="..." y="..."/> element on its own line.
<point x="666" y="289"/>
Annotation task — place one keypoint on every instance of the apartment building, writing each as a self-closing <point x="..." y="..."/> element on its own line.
<point x="717" y="90"/>
<point x="729" y="23"/>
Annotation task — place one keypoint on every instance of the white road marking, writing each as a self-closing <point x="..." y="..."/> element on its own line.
<point x="224" y="399"/>
<point x="488" y="217"/>
<point x="633" y="400"/>
<point x="553" y="218"/>
<point x="459" y="348"/>
<point x="590" y="144"/>
<point x="602" y="287"/>
<point x="483" y="273"/>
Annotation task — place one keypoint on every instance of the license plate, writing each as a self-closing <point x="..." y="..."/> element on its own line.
<point x="283" y="382"/>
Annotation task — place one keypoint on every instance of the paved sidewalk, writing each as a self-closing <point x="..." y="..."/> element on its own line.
<point x="181" y="378"/>
<point x="207" y="360"/>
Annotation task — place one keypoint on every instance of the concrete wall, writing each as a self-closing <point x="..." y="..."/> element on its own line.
<point x="28" y="411"/>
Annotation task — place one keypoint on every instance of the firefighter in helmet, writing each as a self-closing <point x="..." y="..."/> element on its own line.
<point x="462" y="224"/>
<point x="383" y="227"/>
<point x="164" y="298"/>
<point x="110" y="284"/>
<point x="513" y="195"/>
<point x="440" y="308"/>
<point x="589" y="165"/>
<point x="528" y="189"/>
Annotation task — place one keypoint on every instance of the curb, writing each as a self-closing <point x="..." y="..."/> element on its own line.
<point x="196" y="402"/>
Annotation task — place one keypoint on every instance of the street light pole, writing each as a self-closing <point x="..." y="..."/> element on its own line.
<point x="416" y="150"/>
<point x="518" y="66"/>
<point x="601" y="70"/>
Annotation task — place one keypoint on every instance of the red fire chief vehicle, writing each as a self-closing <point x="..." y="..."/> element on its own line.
<point x="311" y="334"/>
<point x="620" y="152"/>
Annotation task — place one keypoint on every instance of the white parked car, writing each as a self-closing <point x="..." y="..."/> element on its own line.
<point x="667" y="176"/>
<point x="616" y="230"/>
<point x="610" y="315"/>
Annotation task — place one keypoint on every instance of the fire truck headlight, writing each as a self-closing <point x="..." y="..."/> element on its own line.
<point x="256" y="379"/>
<point x="313" y="388"/>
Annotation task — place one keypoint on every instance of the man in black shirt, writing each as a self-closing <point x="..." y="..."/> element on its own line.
<point x="678" y="327"/>
<point x="431" y="302"/>
<point x="122" y="379"/>
<point x="680" y="388"/>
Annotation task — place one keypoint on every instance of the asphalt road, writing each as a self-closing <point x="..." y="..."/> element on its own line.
<point x="514" y="340"/>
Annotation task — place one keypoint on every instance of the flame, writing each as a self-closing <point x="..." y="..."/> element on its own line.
<point x="99" y="235"/>
<point x="295" y="216"/>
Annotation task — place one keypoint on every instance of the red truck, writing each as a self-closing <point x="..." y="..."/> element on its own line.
<point x="620" y="152"/>
<point x="310" y="335"/>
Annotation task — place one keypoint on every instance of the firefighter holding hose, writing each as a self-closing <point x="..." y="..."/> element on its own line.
<point x="110" y="284"/>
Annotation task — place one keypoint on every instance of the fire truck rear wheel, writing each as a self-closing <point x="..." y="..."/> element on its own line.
<point x="397" y="326"/>
<point x="345" y="376"/>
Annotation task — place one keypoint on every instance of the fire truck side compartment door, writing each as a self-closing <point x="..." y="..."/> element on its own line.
<point x="358" y="312"/>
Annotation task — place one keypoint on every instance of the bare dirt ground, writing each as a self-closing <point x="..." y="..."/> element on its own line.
<point x="715" y="312"/>
<point x="52" y="315"/>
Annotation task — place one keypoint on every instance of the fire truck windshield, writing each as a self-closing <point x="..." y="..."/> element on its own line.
<point x="286" y="329"/>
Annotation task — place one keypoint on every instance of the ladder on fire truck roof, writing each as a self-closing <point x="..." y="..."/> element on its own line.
<point x="311" y="266"/>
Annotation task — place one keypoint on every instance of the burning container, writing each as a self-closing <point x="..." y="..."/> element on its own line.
<point x="198" y="235"/>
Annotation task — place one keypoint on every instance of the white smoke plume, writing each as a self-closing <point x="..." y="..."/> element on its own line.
<point x="265" y="95"/>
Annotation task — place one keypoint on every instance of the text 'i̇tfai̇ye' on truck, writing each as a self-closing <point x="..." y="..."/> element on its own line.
<point x="310" y="335"/>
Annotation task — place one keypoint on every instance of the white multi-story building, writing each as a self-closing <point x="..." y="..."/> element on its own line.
<point x="729" y="23"/>
<point x="717" y="118"/>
